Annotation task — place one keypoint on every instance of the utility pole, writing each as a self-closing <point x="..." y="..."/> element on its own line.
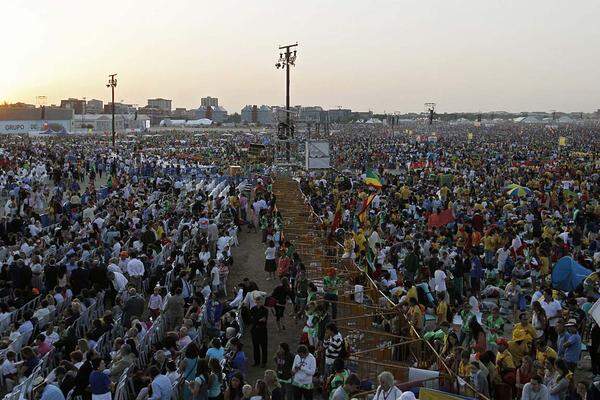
<point x="112" y="83"/>
<point x="285" y="60"/>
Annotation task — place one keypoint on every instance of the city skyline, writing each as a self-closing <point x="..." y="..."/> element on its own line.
<point x="380" y="55"/>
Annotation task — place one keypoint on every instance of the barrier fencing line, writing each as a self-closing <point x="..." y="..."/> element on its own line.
<point x="372" y="349"/>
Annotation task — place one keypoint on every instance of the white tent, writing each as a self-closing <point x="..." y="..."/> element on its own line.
<point x="198" y="122"/>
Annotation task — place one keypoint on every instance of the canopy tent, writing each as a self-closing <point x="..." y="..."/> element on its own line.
<point x="49" y="131"/>
<point x="567" y="274"/>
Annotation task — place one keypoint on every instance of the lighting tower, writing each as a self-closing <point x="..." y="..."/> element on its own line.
<point x="112" y="83"/>
<point x="285" y="130"/>
<point x="430" y="108"/>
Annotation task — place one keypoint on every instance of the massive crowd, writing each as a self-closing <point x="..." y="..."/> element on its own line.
<point x="115" y="264"/>
<point x="487" y="242"/>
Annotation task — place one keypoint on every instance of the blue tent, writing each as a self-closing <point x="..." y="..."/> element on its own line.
<point x="567" y="274"/>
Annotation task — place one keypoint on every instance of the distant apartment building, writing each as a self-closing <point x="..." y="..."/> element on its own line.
<point x="94" y="106"/>
<point x="257" y="115"/>
<point x="155" y="114"/>
<point x="76" y="105"/>
<point x="103" y="122"/>
<point x="312" y="114"/>
<point x="361" y="115"/>
<point x="162" y="104"/>
<point x="209" y="102"/>
<point x="339" y="115"/>
<point x="120" y="108"/>
<point x="214" y="113"/>
<point x="183" y="113"/>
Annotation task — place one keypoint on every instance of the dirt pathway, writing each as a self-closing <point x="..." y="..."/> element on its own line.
<point x="249" y="260"/>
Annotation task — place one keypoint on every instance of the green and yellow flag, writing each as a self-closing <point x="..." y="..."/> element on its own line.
<point x="372" y="179"/>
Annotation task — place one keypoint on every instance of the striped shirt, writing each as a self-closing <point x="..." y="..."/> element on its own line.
<point x="333" y="348"/>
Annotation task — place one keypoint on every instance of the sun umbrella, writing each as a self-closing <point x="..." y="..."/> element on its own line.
<point x="519" y="191"/>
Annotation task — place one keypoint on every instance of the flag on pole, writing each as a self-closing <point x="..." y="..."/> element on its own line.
<point x="362" y="215"/>
<point x="372" y="179"/>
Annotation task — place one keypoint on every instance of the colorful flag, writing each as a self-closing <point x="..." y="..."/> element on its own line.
<point x="441" y="219"/>
<point x="362" y="215"/>
<point x="337" y="217"/>
<point x="372" y="179"/>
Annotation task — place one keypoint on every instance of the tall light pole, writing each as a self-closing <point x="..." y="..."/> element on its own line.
<point x="285" y="60"/>
<point x="430" y="108"/>
<point x="112" y="83"/>
<point x="83" y="114"/>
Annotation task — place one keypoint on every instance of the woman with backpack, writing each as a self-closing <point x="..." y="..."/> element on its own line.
<point x="188" y="367"/>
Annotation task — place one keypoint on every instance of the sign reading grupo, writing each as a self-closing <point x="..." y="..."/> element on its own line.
<point x="14" y="127"/>
<point x="19" y="126"/>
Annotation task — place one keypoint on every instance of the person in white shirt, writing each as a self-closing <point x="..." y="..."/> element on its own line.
<point x="155" y="303"/>
<point x="439" y="280"/>
<point x="551" y="307"/>
<point x="215" y="280"/>
<point x="235" y="303"/>
<point x="51" y="335"/>
<point x="135" y="271"/>
<point x="223" y="242"/>
<point x="303" y="371"/>
<point x="118" y="280"/>
<point x="502" y="254"/>
<point x="43" y="312"/>
<point x="387" y="389"/>
<point x="270" y="256"/>
<point x="9" y="370"/>
<point x="535" y="389"/>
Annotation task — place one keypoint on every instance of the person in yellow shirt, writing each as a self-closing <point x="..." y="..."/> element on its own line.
<point x="523" y="330"/>
<point x="464" y="367"/>
<point x="405" y="193"/>
<point x="360" y="240"/>
<point x="504" y="362"/>
<point x="415" y="315"/>
<point x="441" y="311"/>
<point x="545" y="352"/>
<point x="519" y="348"/>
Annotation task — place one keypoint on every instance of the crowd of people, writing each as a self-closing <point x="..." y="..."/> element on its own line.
<point x="115" y="265"/>
<point x="462" y="229"/>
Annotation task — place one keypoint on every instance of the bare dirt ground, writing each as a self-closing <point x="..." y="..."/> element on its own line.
<point x="249" y="261"/>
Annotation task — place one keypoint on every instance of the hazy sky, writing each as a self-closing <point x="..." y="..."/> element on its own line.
<point x="469" y="55"/>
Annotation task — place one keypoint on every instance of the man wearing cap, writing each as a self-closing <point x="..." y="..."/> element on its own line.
<point x="519" y="347"/>
<point x="571" y="347"/>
